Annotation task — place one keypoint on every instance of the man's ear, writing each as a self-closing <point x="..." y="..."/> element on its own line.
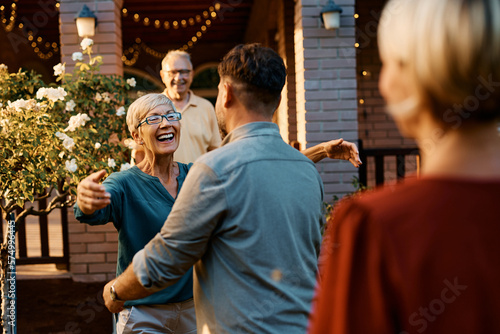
<point x="227" y="94"/>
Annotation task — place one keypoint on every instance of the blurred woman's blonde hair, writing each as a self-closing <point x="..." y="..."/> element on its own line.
<point x="450" y="52"/>
<point x="140" y="107"/>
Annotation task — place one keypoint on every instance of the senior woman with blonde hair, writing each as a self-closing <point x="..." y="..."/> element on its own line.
<point x="138" y="201"/>
<point x="423" y="256"/>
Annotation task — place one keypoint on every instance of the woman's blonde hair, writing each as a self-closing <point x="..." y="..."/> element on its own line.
<point x="140" y="107"/>
<point x="451" y="52"/>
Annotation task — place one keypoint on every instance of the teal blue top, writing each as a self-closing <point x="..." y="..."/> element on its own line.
<point x="140" y="204"/>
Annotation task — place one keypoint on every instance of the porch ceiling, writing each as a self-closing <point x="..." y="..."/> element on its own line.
<point x="227" y="27"/>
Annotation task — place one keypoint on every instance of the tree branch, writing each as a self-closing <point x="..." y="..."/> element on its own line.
<point x="61" y="200"/>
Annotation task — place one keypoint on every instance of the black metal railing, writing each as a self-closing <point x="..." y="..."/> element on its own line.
<point x="380" y="156"/>
<point x="43" y="226"/>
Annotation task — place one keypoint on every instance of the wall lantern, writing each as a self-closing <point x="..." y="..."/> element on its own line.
<point x="86" y="22"/>
<point x="330" y="15"/>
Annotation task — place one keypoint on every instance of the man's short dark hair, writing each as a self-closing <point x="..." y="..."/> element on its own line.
<point x="259" y="70"/>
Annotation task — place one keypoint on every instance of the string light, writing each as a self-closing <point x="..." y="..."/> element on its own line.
<point x="131" y="55"/>
<point x="37" y="43"/>
<point x="12" y="19"/>
<point x="184" y="23"/>
<point x="356" y="16"/>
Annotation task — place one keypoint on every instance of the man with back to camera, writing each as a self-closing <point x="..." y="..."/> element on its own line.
<point x="252" y="231"/>
<point x="200" y="132"/>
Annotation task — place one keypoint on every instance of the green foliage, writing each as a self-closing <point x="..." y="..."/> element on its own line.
<point x="20" y="85"/>
<point x="328" y="207"/>
<point x="52" y="137"/>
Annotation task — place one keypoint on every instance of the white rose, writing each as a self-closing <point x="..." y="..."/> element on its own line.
<point x="111" y="163"/>
<point x="3" y="67"/>
<point x="61" y="135"/>
<point x="77" y="56"/>
<point x="86" y="43"/>
<point x="70" y="105"/>
<point x="131" y="82"/>
<point x="125" y="166"/>
<point x="41" y="93"/>
<point x="97" y="146"/>
<point x="77" y="121"/>
<point x="52" y="94"/>
<point x="120" y="111"/>
<point x="71" y="165"/>
<point x="59" y="69"/>
<point x="21" y="104"/>
<point x="69" y="143"/>
<point x="106" y="97"/>
<point x="98" y="97"/>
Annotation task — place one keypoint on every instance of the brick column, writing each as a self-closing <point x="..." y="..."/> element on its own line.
<point x="325" y="65"/>
<point x="107" y="39"/>
<point x="93" y="251"/>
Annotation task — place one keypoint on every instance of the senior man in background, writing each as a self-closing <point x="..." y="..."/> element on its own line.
<point x="248" y="217"/>
<point x="200" y="132"/>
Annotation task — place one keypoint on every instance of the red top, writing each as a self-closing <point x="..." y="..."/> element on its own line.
<point x="418" y="257"/>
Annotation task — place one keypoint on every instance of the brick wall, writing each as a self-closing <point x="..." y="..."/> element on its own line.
<point x="326" y="87"/>
<point x="107" y="39"/>
<point x="93" y="251"/>
<point x="376" y="127"/>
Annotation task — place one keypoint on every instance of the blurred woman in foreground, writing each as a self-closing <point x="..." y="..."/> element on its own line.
<point x="424" y="256"/>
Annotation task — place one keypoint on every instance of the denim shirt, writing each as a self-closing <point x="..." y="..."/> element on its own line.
<point x="248" y="218"/>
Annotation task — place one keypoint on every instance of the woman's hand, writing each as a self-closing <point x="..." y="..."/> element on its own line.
<point x="92" y="196"/>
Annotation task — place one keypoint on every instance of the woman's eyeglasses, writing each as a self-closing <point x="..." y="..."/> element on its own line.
<point x="157" y="119"/>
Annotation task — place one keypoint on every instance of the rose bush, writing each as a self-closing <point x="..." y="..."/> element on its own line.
<point x="53" y="136"/>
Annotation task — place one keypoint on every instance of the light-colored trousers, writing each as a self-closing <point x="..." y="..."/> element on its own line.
<point x="175" y="318"/>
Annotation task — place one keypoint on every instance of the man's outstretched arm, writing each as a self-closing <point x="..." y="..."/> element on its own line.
<point x="334" y="149"/>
